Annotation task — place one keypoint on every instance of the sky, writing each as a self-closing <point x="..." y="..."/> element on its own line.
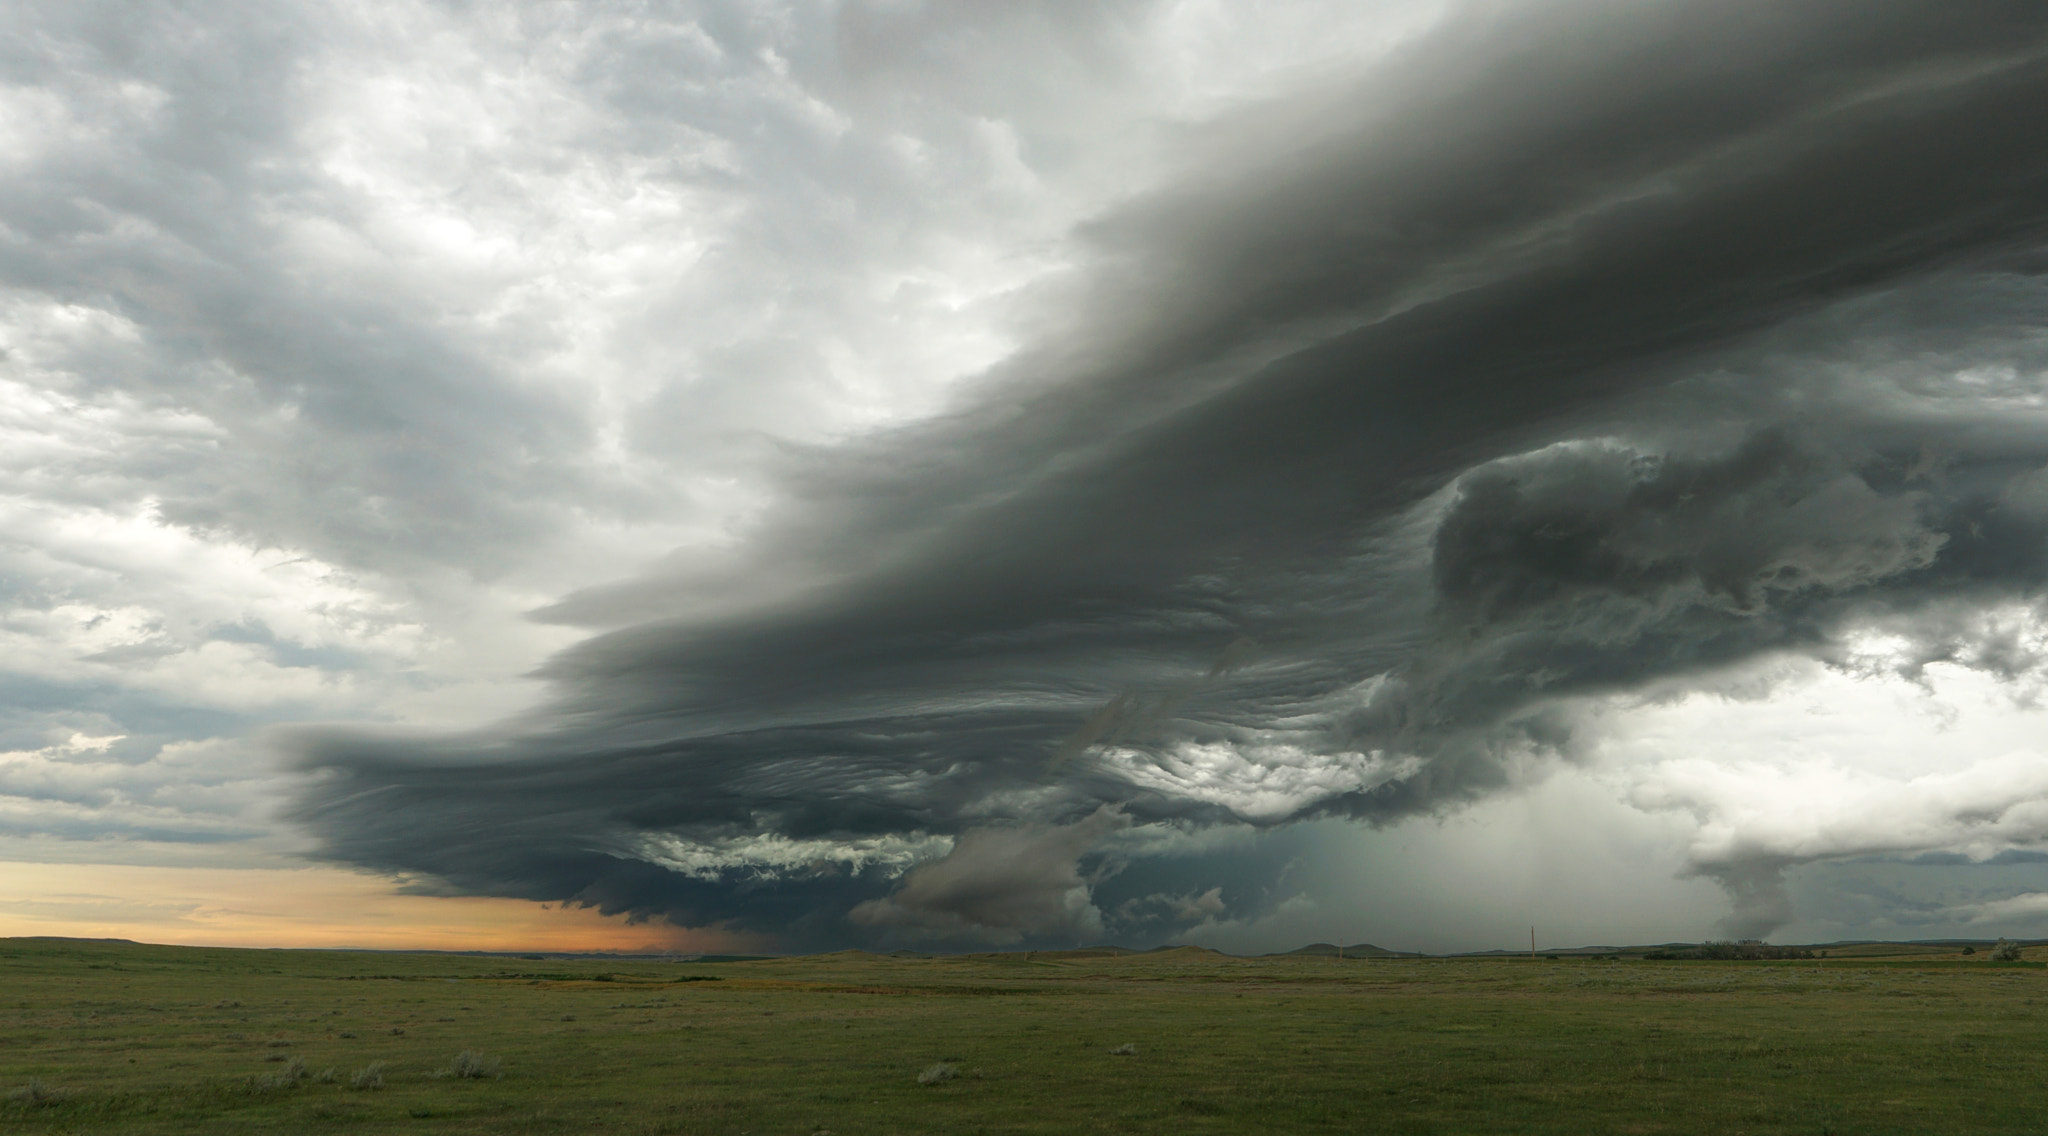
<point x="790" y="476"/>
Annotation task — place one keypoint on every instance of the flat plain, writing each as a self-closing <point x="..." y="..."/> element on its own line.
<point x="118" y="1038"/>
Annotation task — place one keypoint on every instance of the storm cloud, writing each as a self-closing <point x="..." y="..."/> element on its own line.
<point x="1572" y="349"/>
<point x="855" y="472"/>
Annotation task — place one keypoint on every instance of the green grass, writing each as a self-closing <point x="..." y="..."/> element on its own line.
<point x="141" y="1039"/>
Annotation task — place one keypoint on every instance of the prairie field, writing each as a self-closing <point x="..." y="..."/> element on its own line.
<point x="114" y="1038"/>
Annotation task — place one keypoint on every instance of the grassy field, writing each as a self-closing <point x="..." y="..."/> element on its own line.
<point x="121" y="1038"/>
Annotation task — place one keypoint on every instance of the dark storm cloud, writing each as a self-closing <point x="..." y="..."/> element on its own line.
<point x="1001" y="885"/>
<point x="1457" y="390"/>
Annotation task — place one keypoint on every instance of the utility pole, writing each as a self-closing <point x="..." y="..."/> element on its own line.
<point x="1532" y="944"/>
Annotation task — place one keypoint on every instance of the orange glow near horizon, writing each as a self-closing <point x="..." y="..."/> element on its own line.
<point x="311" y="907"/>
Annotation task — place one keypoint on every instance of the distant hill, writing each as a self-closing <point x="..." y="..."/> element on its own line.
<point x="1356" y="950"/>
<point x="1103" y="951"/>
<point x="1601" y="951"/>
<point x="1844" y="949"/>
<point x="1841" y="950"/>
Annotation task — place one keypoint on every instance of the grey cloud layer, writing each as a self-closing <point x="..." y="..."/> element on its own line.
<point x="331" y="333"/>
<point x="1578" y="347"/>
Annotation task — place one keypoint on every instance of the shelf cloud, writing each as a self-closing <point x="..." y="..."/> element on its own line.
<point x="1572" y="351"/>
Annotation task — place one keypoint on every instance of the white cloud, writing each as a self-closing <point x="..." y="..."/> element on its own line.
<point x="1791" y="763"/>
<point x="1256" y="781"/>
<point x="200" y="791"/>
<point x="124" y="598"/>
<point x="772" y="854"/>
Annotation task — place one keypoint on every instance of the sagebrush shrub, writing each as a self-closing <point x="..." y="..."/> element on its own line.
<point x="470" y="1063"/>
<point x="285" y="1078"/>
<point x="35" y="1093"/>
<point x="370" y="1076"/>
<point x="937" y="1073"/>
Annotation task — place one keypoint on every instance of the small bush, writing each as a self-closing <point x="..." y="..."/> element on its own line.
<point x="35" y="1094"/>
<point x="2005" y="951"/>
<point x="370" y="1076"/>
<point x="1748" y="950"/>
<point x="1969" y="950"/>
<point x="328" y="1075"/>
<point x="1124" y="1050"/>
<point x="937" y="1073"/>
<point x="470" y="1063"/>
<point x="284" y="1078"/>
